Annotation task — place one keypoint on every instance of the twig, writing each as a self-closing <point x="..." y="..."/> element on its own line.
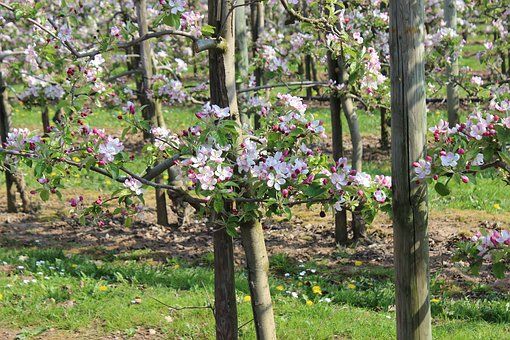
<point x="181" y="308"/>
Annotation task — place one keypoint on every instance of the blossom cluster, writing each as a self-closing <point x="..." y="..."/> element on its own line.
<point x="466" y="147"/>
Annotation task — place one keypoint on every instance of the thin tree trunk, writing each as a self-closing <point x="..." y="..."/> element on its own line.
<point x="5" y="124"/>
<point x="254" y="245"/>
<point x="409" y="127"/>
<point x="223" y="93"/>
<point x="385" y="133"/>
<point x="152" y="111"/>
<point x="19" y="180"/>
<point x="242" y="60"/>
<point x="257" y="27"/>
<point x="149" y="112"/>
<point x="335" y="107"/>
<point x="241" y="40"/>
<point x="352" y="120"/>
<point x="452" y="67"/>
<point x="45" y="116"/>
<point x="308" y="74"/>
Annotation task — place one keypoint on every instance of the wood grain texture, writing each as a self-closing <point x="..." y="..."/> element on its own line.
<point x="409" y="124"/>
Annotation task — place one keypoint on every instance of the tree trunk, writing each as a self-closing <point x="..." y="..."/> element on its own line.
<point x="254" y="245"/>
<point x="352" y="119"/>
<point x="152" y="111"/>
<point x="409" y="127"/>
<point x="335" y="107"/>
<point x="45" y="116"/>
<point x="385" y="133"/>
<point x="308" y="74"/>
<point x="223" y="93"/>
<point x="149" y="112"/>
<point x="257" y="27"/>
<point x="452" y="67"/>
<point x="241" y="40"/>
<point x="5" y="125"/>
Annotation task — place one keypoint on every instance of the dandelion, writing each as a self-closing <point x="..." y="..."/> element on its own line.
<point x="309" y="302"/>
<point x="1" y="296"/>
<point x="351" y="286"/>
<point x="358" y="263"/>
<point x="497" y="206"/>
<point x="103" y="288"/>
<point x="247" y="298"/>
<point x="435" y="300"/>
<point x="280" y="288"/>
<point x="317" y="290"/>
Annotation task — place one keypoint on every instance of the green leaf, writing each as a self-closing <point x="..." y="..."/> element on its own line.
<point x="208" y="30"/>
<point x="218" y="205"/>
<point x="231" y="230"/>
<point x="499" y="270"/>
<point x="442" y="189"/>
<point x="172" y="20"/>
<point x="45" y="195"/>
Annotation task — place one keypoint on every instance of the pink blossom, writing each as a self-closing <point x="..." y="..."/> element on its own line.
<point x="109" y="149"/>
<point x="134" y="185"/>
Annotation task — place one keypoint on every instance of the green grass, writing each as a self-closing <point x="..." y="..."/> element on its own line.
<point x="103" y="294"/>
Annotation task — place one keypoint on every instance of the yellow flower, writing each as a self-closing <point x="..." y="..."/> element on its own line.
<point x="76" y="159"/>
<point x="434" y="300"/>
<point x="74" y="265"/>
<point x="247" y="298"/>
<point x="1" y="296"/>
<point x="176" y="266"/>
<point x="103" y="288"/>
<point x="309" y="302"/>
<point x="280" y="288"/>
<point x="351" y="286"/>
<point x="317" y="290"/>
<point x="497" y="206"/>
<point x="358" y="263"/>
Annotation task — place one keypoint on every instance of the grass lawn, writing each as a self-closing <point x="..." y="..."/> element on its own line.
<point x="42" y="289"/>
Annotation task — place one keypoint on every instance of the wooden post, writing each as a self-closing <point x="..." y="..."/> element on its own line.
<point x="5" y="123"/>
<point x="452" y="67"/>
<point x="151" y="106"/>
<point x="409" y="126"/>
<point x="335" y="107"/>
<point x="223" y="93"/>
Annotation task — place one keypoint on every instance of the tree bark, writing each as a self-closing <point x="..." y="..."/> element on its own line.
<point x="152" y="111"/>
<point x="409" y="126"/>
<point x="254" y="245"/>
<point x="452" y="67"/>
<point x="257" y="27"/>
<point x="5" y="125"/>
<point x="385" y="133"/>
<point x="241" y="40"/>
<point x="335" y="107"/>
<point x="149" y="112"/>
<point x="352" y="119"/>
<point x="45" y="117"/>
<point x="223" y="93"/>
